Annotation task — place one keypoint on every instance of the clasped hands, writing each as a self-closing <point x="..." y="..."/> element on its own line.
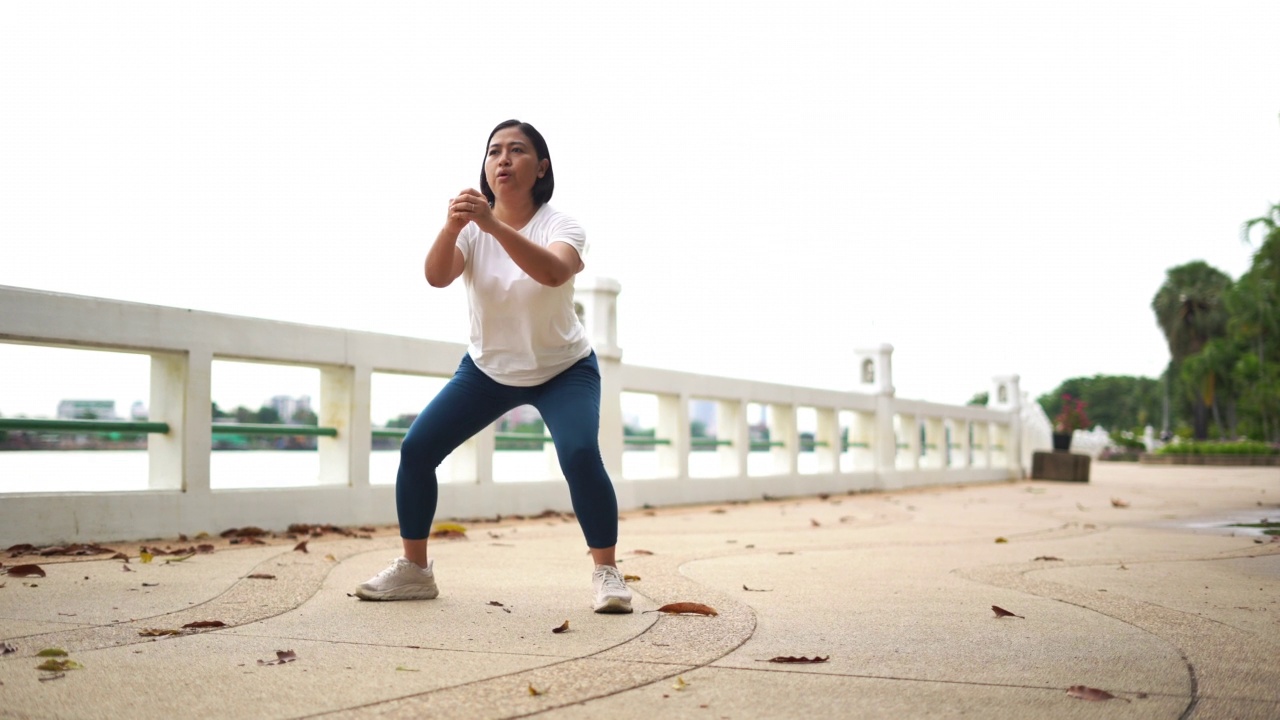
<point x="471" y="206"/>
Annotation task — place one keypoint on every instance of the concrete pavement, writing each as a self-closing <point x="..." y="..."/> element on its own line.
<point x="1153" y="600"/>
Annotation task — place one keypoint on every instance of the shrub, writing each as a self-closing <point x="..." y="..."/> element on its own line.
<point x="1239" y="447"/>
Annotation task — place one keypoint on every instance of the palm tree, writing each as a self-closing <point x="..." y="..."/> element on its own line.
<point x="1190" y="310"/>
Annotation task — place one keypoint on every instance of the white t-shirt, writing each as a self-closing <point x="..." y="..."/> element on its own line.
<point x="522" y="332"/>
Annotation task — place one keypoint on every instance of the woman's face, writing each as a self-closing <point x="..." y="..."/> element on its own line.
<point x="511" y="165"/>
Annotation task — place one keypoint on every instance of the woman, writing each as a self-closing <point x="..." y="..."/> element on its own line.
<point x="518" y="257"/>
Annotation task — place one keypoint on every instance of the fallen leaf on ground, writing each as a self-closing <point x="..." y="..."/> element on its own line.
<point x="150" y="584"/>
<point x="282" y="657"/>
<point x="261" y="576"/>
<point x="680" y="683"/>
<point x="744" y="587"/>
<point x="814" y="522"/>
<point x="243" y="532"/>
<point x="145" y="556"/>
<point x="52" y="652"/>
<point x="330" y="557"/>
<point x="535" y="691"/>
<point x="631" y="578"/>
<point x="25" y="571"/>
<point x="120" y="556"/>
<point x="302" y="546"/>
<point x="205" y="549"/>
<point x="494" y="603"/>
<point x="1049" y="557"/>
<point x="1002" y="540"/>
<point x="719" y="511"/>
<point x="58" y="676"/>
<point x="641" y="552"/>
<point x="1001" y="612"/>
<point x="686" y="607"/>
<point x="447" y="530"/>
<point x="205" y="624"/>
<point x="562" y="628"/>
<point x="179" y="559"/>
<point x="1088" y="693"/>
<point x="158" y="632"/>
<point x="59" y="665"/>
<point x="6" y="649"/>
<point x="1117" y="502"/>
<point x="794" y="659"/>
<point x="401" y="668"/>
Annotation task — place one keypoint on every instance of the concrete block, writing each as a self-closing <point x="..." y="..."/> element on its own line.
<point x="1071" y="467"/>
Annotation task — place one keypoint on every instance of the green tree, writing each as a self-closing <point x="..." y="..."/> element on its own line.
<point x="1190" y="309"/>
<point x="981" y="398"/>
<point x="1116" y="402"/>
<point x="305" y="416"/>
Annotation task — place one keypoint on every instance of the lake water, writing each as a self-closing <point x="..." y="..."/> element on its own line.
<point x="116" y="470"/>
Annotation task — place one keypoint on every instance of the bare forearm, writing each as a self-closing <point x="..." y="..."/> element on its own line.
<point x="440" y="258"/>
<point x="537" y="261"/>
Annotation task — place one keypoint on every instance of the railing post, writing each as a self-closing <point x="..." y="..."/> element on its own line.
<point x="673" y="424"/>
<point x="180" y="396"/>
<point x="826" y="447"/>
<point x="875" y="374"/>
<point x="598" y="300"/>
<point x="1006" y="395"/>
<point x="732" y="425"/>
<point x="935" y="434"/>
<point x="782" y="428"/>
<point x="345" y="397"/>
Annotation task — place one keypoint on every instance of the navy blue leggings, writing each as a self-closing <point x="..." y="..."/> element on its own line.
<point x="569" y="404"/>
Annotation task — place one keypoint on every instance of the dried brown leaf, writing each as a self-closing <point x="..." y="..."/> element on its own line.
<point x="150" y="584"/>
<point x="261" y="576"/>
<point x="1002" y="540"/>
<point x="1088" y="693"/>
<point x="120" y="556"/>
<point x="563" y="628"/>
<point x="55" y="676"/>
<point x="282" y="657"/>
<point x="631" y="578"/>
<point x="744" y="587"/>
<point x="7" y="649"/>
<point x="26" y="572"/>
<point x="1001" y="612"/>
<point x="1049" y="557"/>
<point x="535" y="691"/>
<point x="126" y="568"/>
<point x="686" y="607"/>
<point x="205" y="624"/>
<point x="641" y="552"/>
<point x="205" y="549"/>
<point x="1117" y="502"/>
<point x="158" y="632"/>
<point x="495" y="603"/>
<point x="814" y="522"/>
<point x="448" y="535"/>
<point x="802" y="659"/>
<point x="302" y="547"/>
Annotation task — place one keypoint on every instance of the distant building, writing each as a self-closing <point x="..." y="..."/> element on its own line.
<point x="138" y="411"/>
<point x="287" y="406"/>
<point x="87" y="409"/>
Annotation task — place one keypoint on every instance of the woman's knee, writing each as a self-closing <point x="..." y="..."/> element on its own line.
<point x="419" y="449"/>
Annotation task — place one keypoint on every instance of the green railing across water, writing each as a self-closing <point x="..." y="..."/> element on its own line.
<point x="264" y="430"/>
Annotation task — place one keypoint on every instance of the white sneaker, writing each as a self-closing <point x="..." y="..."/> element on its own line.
<point x="612" y="595"/>
<point x="402" y="580"/>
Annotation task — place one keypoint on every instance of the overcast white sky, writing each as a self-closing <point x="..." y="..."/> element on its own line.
<point x="991" y="187"/>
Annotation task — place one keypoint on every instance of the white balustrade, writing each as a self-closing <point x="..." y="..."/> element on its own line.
<point x="856" y="440"/>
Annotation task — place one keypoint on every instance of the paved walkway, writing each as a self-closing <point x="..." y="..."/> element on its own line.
<point x="895" y="590"/>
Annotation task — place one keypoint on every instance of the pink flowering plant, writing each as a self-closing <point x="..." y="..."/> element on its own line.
<point x="1072" y="417"/>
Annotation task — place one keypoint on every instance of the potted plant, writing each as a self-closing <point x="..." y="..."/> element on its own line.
<point x="1071" y="418"/>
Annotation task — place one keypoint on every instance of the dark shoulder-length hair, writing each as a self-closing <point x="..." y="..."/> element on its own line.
<point x="546" y="184"/>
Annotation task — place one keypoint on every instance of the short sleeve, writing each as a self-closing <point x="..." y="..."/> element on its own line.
<point x="567" y="230"/>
